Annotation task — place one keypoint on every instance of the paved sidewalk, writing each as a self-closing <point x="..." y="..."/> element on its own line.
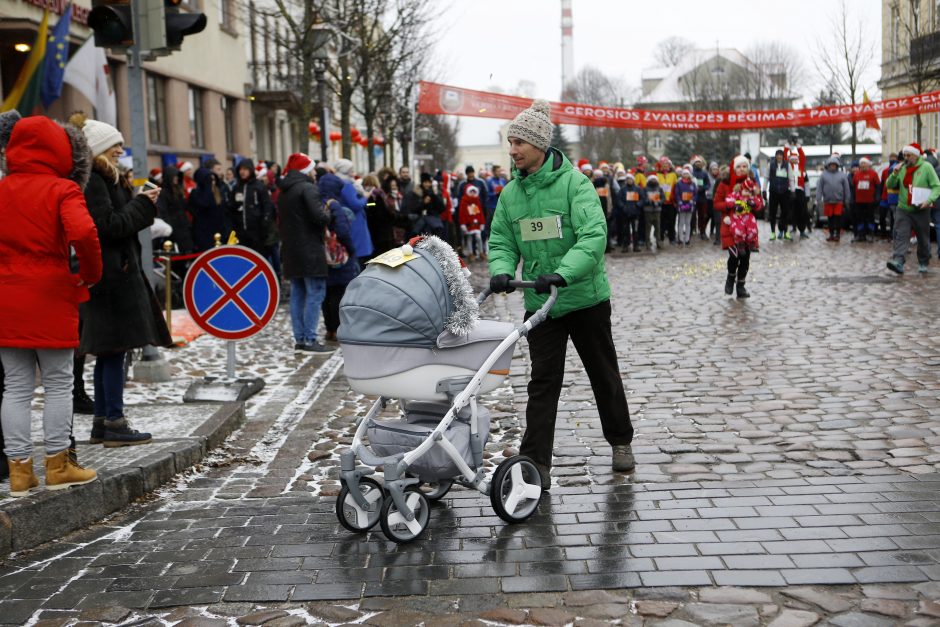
<point x="788" y="442"/>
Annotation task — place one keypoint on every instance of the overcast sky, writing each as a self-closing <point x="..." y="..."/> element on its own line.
<point x="501" y="42"/>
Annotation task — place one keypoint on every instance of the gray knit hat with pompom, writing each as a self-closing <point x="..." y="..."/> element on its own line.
<point x="534" y="125"/>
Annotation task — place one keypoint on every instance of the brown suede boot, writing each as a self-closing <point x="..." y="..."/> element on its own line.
<point x="22" y="477"/>
<point x="63" y="472"/>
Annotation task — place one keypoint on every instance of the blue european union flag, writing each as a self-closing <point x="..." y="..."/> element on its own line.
<point x="57" y="55"/>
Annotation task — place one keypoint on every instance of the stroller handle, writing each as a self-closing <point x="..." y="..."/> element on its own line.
<point x="539" y="316"/>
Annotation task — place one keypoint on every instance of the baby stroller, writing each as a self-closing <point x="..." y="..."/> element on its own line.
<point x="411" y="331"/>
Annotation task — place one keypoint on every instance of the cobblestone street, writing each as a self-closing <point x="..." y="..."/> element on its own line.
<point x="787" y="447"/>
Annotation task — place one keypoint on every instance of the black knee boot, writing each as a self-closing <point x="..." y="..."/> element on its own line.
<point x="81" y="402"/>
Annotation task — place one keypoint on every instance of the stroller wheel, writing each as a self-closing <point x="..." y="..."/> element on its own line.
<point x="351" y="515"/>
<point x="399" y="529"/>
<point x="516" y="489"/>
<point x="436" y="490"/>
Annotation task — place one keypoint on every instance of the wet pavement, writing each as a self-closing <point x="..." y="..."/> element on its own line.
<point x="789" y="442"/>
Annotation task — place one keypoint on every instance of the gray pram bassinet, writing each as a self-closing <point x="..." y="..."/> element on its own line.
<point x="412" y="331"/>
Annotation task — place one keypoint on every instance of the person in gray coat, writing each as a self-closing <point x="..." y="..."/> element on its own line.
<point x="833" y="193"/>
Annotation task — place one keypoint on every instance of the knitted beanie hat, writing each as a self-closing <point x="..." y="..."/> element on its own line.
<point x="101" y="136"/>
<point x="534" y="125"/>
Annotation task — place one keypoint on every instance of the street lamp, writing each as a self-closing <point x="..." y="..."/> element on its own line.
<point x="320" y="34"/>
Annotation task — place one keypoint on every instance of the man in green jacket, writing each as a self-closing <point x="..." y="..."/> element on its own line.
<point x="550" y="219"/>
<point x="919" y="188"/>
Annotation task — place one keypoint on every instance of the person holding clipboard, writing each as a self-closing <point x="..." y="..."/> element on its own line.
<point x="919" y="188"/>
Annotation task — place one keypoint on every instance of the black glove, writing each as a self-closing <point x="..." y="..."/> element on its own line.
<point x="545" y="281"/>
<point x="500" y="283"/>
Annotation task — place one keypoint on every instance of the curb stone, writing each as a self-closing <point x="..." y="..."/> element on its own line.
<point x="28" y="522"/>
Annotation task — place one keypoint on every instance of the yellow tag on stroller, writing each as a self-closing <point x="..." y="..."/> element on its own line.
<point x="393" y="258"/>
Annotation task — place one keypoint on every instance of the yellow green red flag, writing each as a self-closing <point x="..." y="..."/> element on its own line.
<point x="24" y="97"/>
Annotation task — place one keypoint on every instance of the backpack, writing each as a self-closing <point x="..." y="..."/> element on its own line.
<point x="336" y="254"/>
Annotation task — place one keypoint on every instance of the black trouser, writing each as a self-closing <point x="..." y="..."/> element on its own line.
<point x="667" y="222"/>
<point x="864" y="218"/>
<point x="797" y="215"/>
<point x="739" y="264"/>
<point x="629" y="230"/>
<point x="835" y="226"/>
<point x="330" y="306"/>
<point x="4" y="469"/>
<point x="778" y="208"/>
<point x="589" y="330"/>
<point x="642" y="226"/>
<point x="885" y="225"/>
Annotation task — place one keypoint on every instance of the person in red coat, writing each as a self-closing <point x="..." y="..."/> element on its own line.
<point x="739" y="253"/>
<point x="865" y="184"/>
<point x="43" y="212"/>
<point x="472" y="220"/>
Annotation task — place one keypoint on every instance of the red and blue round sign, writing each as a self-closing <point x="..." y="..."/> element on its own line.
<point x="231" y="292"/>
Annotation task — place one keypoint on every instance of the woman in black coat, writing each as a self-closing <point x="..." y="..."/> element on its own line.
<point x="207" y="206"/>
<point x="171" y="206"/>
<point x="123" y="312"/>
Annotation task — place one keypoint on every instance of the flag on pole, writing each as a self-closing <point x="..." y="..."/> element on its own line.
<point x="88" y="72"/>
<point x="24" y="97"/>
<point x="870" y="120"/>
<point x="57" y="48"/>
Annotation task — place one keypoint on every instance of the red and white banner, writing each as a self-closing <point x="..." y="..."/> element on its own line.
<point x="437" y="99"/>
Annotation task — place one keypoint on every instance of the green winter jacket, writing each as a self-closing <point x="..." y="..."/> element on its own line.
<point x="556" y="189"/>
<point x="925" y="176"/>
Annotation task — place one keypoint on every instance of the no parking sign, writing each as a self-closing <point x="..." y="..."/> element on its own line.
<point x="231" y="292"/>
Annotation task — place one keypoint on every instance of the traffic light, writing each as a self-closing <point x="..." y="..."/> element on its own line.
<point x="112" y="24"/>
<point x="178" y="24"/>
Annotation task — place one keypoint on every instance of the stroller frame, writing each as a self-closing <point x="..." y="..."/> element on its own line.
<point x="360" y="493"/>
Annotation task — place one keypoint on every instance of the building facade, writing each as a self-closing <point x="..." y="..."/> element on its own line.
<point x="193" y="110"/>
<point x="910" y="64"/>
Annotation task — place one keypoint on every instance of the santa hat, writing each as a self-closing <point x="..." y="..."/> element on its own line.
<point x="261" y="170"/>
<point x="185" y="166"/>
<point x="581" y="163"/>
<point x="300" y="162"/>
<point x="603" y="164"/>
<point x="156" y="174"/>
<point x="864" y="161"/>
<point x="913" y="148"/>
<point x="686" y="173"/>
<point x="630" y="176"/>
<point x="587" y="167"/>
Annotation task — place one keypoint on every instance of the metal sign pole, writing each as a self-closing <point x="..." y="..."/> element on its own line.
<point x="230" y="359"/>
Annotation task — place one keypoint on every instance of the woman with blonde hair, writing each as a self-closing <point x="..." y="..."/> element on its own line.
<point x="123" y="312"/>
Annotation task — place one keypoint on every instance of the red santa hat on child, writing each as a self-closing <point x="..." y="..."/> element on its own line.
<point x="864" y="161"/>
<point x="185" y="166"/>
<point x="913" y="148"/>
<point x="156" y="174"/>
<point x="300" y="162"/>
<point x="587" y="167"/>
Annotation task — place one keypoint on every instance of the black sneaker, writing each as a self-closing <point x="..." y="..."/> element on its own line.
<point x="119" y="433"/>
<point x="82" y="403"/>
<point x="317" y="347"/>
<point x="97" y="431"/>
<point x="729" y="284"/>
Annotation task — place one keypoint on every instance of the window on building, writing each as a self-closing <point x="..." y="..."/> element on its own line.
<point x="156" y="109"/>
<point x="226" y="13"/>
<point x="197" y="137"/>
<point x="229" y="115"/>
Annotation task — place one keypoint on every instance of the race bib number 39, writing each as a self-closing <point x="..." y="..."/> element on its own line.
<point x="540" y="228"/>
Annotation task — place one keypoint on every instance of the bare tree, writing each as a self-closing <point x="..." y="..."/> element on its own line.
<point x="670" y="51"/>
<point x="592" y="85"/>
<point x="914" y="63"/>
<point x="845" y="65"/>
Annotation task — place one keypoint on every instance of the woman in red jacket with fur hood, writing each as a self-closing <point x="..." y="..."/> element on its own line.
<point x="43" y="212"/>
<point x="735" y="184"/>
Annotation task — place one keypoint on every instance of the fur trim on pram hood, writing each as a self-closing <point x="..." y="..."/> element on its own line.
<point x="467" y="310"/>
